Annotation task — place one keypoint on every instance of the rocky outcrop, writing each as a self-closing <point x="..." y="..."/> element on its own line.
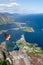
<point x="35" y="59"/>
<point x="20" y="57"/>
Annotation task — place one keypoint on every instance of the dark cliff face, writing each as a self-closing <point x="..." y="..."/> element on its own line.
<point x="5" y="19"/>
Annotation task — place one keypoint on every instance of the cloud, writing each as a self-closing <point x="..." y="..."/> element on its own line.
<point x="12" y="4"/>
<point x="12" y="7"/>
<point x="9" y="4"/>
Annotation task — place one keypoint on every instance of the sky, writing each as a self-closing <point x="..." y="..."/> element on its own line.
<point x="21" y="6"/>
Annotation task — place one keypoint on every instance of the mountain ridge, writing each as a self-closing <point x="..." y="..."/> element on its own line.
<point x="5" y="19"/>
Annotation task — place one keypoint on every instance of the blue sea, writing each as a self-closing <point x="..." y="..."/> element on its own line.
<point x="32" y="20"/>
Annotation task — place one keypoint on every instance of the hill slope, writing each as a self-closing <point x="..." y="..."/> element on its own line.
<point x="5" y="19"/>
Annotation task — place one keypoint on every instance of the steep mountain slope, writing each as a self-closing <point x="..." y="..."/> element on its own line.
<point x="5" y="19"/>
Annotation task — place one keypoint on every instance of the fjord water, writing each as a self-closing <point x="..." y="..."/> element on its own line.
<point x="35" y="21"/>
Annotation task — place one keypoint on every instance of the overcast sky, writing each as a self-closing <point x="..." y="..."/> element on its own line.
<point x="21" y="6"/>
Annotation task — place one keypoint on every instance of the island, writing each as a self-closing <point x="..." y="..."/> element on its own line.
<point x="16" y="29"/>
<point x="28" y="29"/>
<point x="19" y="23"/>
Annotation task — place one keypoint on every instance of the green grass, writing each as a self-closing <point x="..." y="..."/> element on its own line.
<point x="30" y="45"/>
<point x="4" y="62"/>
<point x="38" y="51"/>
<point x="20" y="45"/>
